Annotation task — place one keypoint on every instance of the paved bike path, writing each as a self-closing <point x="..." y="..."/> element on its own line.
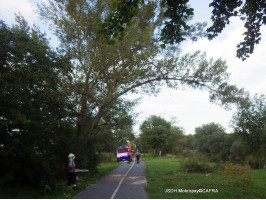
<point x="128" y="181"/>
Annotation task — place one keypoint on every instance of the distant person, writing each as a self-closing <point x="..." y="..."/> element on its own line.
<point x="71" y="171"/>
<point x="129" y="156"/>
<point x="138" y="156"/>
<point x="133" y="153"/>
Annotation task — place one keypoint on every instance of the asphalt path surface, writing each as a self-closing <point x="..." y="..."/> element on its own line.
<point x="128" y="181"/>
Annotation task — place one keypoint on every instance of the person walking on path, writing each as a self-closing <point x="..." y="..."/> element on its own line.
<point x="138" y="156"/>
<point x="71" y="171"/>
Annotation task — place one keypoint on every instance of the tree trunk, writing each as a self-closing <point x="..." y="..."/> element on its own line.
<point x="98" y="116"/>
<point x="83" y="110"/>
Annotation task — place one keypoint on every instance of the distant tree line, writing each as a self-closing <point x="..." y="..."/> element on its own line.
<point x="246" y="145"/>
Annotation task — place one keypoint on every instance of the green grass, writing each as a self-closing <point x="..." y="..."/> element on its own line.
<point x="162" y="173"/>
<point x="65" y="192"/>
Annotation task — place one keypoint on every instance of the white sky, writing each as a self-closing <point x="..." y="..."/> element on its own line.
<point x="191" y="107"/>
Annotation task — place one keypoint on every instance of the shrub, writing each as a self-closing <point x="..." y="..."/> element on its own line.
<point x="195" y="163"/>
<point x="107" y="156"/>
<point x="236" y="174"/>
<point x="187" y="153"/>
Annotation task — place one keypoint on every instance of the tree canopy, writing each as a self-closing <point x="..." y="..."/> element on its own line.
<point x="212" y="140"/>
<point x="103" y="73"/>
<point x="174" y="17"/>
<point x="34" y="106"/>
<point x="155" y="131"/>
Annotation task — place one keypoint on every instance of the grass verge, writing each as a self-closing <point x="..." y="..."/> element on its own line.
<point x="162" y="173"/>
<point x="65" y="192"/>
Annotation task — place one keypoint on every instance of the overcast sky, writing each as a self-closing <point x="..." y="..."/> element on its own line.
<point x="190" y="107"/>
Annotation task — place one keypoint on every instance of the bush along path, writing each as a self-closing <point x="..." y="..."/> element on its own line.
<point x="59" y="190"/>
<point x="128" y="181"/>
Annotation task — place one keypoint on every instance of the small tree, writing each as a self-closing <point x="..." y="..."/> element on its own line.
<point x="155" y="131"/>
<point x="250" y="126"/>
<point x="176" y="141"/>
<point x="237" y="151"/>
<point x="211" y="140"/>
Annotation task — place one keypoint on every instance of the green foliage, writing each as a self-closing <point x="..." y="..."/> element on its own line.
<point x="58" y="190"/>
<point x="236" y="174"/>
<point x="237" y="152"/>
<point x="107" y="157"/>
<point x="115" y="128"/>
<point x="195" y="162"/>
<point x="175" y="26"/>
<point x="252" y="12"/>
<point x="103" y="74"/>
<point x="33" y="106"/>
<point x="154" y="132"/>
<point x="157" y="134"/>
<point x="172" y="21"/>
<point x="212" y="141"/>
<point x="174" y="16"/>
<point x="249" y="124"/>
<point x="176" y="141"/>
<point x="120" y="16"/>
